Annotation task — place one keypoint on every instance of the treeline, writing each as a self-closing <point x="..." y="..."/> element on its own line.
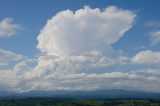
<point x="65" y="102"/>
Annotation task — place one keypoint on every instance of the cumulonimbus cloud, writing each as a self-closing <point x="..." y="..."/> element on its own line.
<point x="86" y="29"/>
<point x="72" y="43"/>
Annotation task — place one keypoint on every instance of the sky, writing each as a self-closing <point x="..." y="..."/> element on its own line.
<point x="79" y="45"/>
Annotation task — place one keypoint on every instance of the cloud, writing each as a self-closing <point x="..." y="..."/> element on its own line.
<point x="153" y="71"/>
<point x="14" y="70"/>
<point x="21" y="81"/>
<point x="153" y="24"/>
<point x="8" y="27"/>
<point x="155" y="37"/>
<point x="74" y="48"/>
<point x="75" y="53"/>
<point x="55" y="73"/>
<point x="88" y="62"/>
<point x="74" y="43"/>
<point x="84" y="30"/>
<point x="7" y="57"/>
<point x="147" y="57"/>
<point x="142" y="47"/>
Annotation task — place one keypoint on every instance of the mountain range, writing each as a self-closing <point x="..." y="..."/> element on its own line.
<point x="97" y="94"/>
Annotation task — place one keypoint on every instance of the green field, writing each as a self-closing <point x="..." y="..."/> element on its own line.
<point x="69" y="102"/>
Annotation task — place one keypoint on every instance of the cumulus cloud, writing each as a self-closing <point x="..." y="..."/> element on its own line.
<point x="8" y="27"/>
<point x="72" y="44"/>
<point x="75" y="43"/>
<point x="76" y="63"/>
<point x="19" y="80"/>
<point x="84" y="30"/>
<point x="55" y="73"/>
<point x="75" y="52"/>
<point x="147" y="57"/>
<point x="16" y="70"/>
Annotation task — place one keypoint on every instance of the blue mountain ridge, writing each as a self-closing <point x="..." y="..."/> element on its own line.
<point x="96" y="94"/>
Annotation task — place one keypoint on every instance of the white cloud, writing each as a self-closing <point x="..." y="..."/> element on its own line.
<point x="155" y="37"/>
<point x="6" y="80"/>
<point x="13" y="78"/>
<point x="76" y="52"/>
<point x="147" y="57"/>
<point x="22" y="78"/>
<point x="154" y="71"/>
<point x="8" y="27"/>
<point x="151" y="71"/>
<point x="73" y="73"/>
<point x="72" y="45"/>
<point x="80" y="63"/>
<point x="6" y="57"/>
<point x="54" y="73"/>
<point x="84" y="30"/>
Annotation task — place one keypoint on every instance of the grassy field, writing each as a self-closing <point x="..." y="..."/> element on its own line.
<point x="69" y="102"/>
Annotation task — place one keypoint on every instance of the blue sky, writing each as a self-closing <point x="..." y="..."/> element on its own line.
<point x="129" y="51"/>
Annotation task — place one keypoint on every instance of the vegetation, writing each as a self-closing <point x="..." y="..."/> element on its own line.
<point x="69" y="102"/>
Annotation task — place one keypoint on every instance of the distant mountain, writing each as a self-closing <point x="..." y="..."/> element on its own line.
<point x="7" y="93"/>
<point x="97" y="94"/>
